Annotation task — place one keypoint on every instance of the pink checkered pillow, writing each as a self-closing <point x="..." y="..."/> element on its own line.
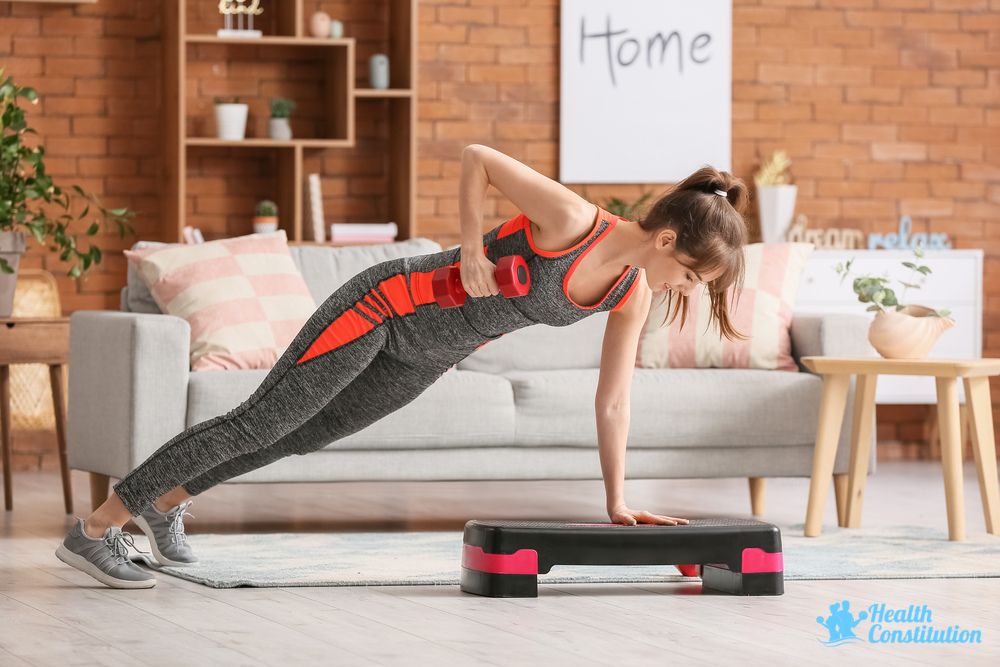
<point x="764" y="313"/>
<point x="243" y="297"/>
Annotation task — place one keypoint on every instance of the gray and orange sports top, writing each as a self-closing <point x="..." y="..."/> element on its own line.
<point x="398" y="293"/>
<point x="548" y="300"/>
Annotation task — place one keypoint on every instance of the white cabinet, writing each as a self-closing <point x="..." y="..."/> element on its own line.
<point x="955" y="283"/>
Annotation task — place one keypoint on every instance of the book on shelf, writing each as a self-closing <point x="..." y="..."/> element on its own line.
<point x="192" y="234"/>
<point x="315" y="201"/>
<point x="362" y="232"/>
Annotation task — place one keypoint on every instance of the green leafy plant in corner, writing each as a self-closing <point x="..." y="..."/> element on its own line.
<point x="266" y="208"/>
<point x="875" y="290"/>
<point x="281" y="107"/>
<point x="28" y="196"/>
<point x="622" y="208"/>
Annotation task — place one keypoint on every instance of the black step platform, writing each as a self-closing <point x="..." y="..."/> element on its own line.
<point x="737" y="556"/>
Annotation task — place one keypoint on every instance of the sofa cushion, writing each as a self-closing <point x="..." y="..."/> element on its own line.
<point x="542" y="347"/>
<point x="243" y="297"/>
<point x="671" y="407"/>
<point x="460" y="409"/>
<point x="763" y="312"/>
<point x="324" y="268"/>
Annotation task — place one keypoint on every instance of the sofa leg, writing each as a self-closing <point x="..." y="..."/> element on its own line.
<point x="99" y="489"/>
<point x="840" y="495"/>
<point x="757" y="495"/>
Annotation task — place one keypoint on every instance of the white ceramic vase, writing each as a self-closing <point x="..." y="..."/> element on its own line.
<point x="279" y="128"/>
<point x="231" y="121"/>
<point x="909" y="333"/>
<point x="776" y="205"/>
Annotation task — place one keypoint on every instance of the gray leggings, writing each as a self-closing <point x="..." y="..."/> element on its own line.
<point x="302" y="407"/>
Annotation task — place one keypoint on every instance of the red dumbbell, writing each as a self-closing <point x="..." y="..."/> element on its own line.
<point x="511" y="273"/>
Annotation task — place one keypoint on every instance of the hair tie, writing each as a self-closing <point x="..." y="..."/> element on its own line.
<point x="722" y="193"/>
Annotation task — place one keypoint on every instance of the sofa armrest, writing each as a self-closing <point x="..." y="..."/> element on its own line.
<point x="128" y="382"/>
<point x="830" y="335"/>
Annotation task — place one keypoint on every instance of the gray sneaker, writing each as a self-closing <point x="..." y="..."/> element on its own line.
<point x="165" y="531"/>
<point x="104" y="558"/>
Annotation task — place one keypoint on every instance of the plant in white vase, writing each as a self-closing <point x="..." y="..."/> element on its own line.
<point x="279" y="127"/>
<point x="266" y="217"/>
<point x="230" y="118"/>
<point x="32" y="203"/>
<point x="898" y="331"/>
<point x="775" y="197"/>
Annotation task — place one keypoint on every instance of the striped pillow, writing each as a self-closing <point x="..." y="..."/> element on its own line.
<point x="764" y="313"/>
<point x="243" y="297"/>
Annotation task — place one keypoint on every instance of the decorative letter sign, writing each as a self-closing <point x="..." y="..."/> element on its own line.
<point x="645" y="89"/>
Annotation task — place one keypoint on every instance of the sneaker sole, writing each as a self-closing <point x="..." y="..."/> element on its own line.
<point x="148" y="532"/>
<point x="80" y="563"/>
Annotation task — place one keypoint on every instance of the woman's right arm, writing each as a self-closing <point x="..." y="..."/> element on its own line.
<point x="547" y="203"/>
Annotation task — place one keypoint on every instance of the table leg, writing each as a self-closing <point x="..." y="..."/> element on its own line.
<point x="951" y="455"/>
<point x="977" y="398"/>
<point x="59" y="410"/>
<point x="840" y="495"/>
<point x="861" y="447"/>
<point x="831" y="414"/>
<point x="8" y="491"/>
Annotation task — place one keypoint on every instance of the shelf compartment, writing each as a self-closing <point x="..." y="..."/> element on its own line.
<point x="320" y="81"/>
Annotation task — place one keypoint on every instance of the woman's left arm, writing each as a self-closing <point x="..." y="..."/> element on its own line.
<point x="611" y="403"/>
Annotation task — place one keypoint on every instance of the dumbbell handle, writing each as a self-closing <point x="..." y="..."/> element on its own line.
<point x="511" y="274"/>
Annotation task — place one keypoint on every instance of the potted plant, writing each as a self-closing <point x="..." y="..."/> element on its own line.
<point x="898" y="331"/>
<point x="281" y="109"/>
<point x="230" y="118"/>
<point x="623" y="209"/>
<point x="775" y="197"/>
<point x="30" y="199"/>
<point x="266" y="217"/>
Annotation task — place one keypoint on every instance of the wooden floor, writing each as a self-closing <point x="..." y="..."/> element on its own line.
<point x="51" y="614"/>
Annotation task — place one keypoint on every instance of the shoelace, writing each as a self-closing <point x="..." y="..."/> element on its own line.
<point x="176" y="518"/>
<point x="119" y="543"/>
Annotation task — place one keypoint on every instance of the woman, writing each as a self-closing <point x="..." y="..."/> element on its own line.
<point x="379" y="341"/>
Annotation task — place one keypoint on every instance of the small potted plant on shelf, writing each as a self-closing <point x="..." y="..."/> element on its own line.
<point x="30" y="199"/>
<point x="775" y="197"/>
<point x="281" y="109"/>
<point x="266" y="218"/>
<point x="230" y="118"/>
<point x="898" y="331"/>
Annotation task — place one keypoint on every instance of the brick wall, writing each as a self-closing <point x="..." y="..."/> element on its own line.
<point x="887" y="107"/>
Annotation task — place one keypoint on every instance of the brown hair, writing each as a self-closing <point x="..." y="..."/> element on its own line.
<point x="710" y="228"/>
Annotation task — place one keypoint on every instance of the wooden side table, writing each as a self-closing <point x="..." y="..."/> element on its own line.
<point x="26" y="340"/>
<point x="837" y="371"/>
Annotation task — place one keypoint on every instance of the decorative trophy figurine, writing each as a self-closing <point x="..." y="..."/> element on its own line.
<point x="239" y="8"/>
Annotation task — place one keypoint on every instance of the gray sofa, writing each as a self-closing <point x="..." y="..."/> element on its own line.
<point x="520" y="407"/>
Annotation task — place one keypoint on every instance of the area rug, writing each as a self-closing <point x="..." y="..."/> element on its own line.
<point x="434" y="558"/>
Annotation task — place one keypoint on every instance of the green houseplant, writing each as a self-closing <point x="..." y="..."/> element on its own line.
<point x="265" y="217"/>
<point x="899" y="331"/>
<point x="279" y="127"/>
<point x="31" y="201"/>
<point x="622" y="208"/>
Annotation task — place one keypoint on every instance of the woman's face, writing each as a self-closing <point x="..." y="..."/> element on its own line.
<point x="669" y="269"/>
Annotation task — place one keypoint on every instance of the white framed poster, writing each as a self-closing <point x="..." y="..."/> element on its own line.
<point x="645" y="89"/>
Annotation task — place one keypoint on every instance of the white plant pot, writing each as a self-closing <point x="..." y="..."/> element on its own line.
<point x="279" y="128"/>
<point x="907" y="334"/>
<point x="231" y="121"/>
<point x="776" y="205"/>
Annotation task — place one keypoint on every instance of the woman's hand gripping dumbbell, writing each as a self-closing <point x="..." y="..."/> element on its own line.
<point x="510" y="277"/>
